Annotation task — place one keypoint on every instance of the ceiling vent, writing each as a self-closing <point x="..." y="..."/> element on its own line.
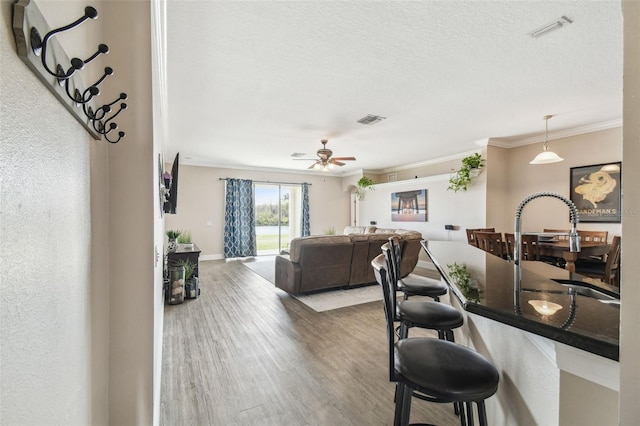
<point x="371" y="119"/>
<point x="551" y="26"/>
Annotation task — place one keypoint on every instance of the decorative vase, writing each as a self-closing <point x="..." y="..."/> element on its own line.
<point x="173" y="245"/>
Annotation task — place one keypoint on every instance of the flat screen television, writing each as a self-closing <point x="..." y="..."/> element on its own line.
<point x="172" y="200"/>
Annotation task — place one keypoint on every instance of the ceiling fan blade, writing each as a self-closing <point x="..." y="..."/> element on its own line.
<point x="337" y="163"/>
<point x="313" y="166"/>
<point x="345" y="158"/>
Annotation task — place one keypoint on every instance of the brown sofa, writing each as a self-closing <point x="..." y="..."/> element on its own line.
<point x="329" y="261"/>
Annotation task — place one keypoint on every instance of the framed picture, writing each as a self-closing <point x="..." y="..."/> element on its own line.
<point x="409" y="206"/>
<point x="596" y="191"/>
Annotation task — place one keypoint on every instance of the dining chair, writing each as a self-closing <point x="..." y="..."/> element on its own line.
<point x="594" y="237"/>
<point x="530" y="248"/>
<point x="608" y="271"/>
<point x="491" y="242"/>
<point x="411" y="284"/>
<point x="559" y="233"/>
<point x="432" y="369"/>
<point x="471" y="238"/>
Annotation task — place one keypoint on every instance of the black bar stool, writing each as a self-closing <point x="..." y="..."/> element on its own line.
<point x="438" y="370"/>
<point x="411" y="284"/>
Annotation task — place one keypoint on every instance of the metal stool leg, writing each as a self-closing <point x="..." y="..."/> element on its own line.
<point x="469" y="413"/>
<point x="482" y="413"/>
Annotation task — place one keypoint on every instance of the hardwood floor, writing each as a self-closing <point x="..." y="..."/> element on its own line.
<point x="246" y="353"/>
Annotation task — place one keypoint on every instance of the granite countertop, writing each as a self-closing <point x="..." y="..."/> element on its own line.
<point x="583" y="321"/>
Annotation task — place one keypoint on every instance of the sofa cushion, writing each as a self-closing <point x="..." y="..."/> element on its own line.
<point x="298" y="243"/>
<point x="359" y="230"/>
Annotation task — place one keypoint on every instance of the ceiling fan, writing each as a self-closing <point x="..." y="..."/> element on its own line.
<point x="325" y="160"/>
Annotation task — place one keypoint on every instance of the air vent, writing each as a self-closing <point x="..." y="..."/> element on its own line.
<point x="551" y="26"/>
<point x="298" y="154"/>
<point x="371" y="119"/>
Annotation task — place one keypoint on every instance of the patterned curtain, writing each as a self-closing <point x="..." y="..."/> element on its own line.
<point x="239" y="219"/>
<point x="306" y="227"/>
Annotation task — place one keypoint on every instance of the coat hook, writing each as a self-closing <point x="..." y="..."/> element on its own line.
<point x="103" y="110"/>
<point x="81" y="98"/>
<point x="100" y="126"/>
<point x="39" y="46"/>
<point x="120" y="136"/>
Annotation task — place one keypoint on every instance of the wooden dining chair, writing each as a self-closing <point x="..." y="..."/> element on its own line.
<point x="594" y="237"/>
<point x="607" y="271"/>
<point x="530" y="248"/>
<point x="471" y="238"/>
<point x="491" y="242"/>
<point x="559" y="231"/>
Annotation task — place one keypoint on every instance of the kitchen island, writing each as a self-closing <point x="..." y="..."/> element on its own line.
<point x="552" y="334"/>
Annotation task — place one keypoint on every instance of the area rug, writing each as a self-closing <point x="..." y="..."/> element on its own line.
<point x="330" y="299"/>
<point x="265" y="266"/>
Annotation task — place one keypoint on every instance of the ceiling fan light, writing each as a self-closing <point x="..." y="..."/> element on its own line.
<point x="546" y="157"/>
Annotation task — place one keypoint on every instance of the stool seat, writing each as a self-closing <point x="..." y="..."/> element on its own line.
<point x="430" y="315"/>
<point x="415" y="285"/>
<point x="445" y="371"/>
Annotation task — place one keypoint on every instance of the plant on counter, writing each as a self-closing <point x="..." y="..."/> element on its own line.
<point x="460" y="179"/>
<point x="330" y="231"/>
<point x="364" y="183"/>
<point x="462" y="278"/>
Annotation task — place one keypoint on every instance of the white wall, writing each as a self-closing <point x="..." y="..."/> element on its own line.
<point x="630" y="251"/>
<point x="201" y="198"/>
<point x="53" y="221"/>
<point x="135" y="287"/>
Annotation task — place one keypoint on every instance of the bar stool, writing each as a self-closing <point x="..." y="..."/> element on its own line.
<point x="420" y="313"/>
<point x="412" y="285"/>
<point x="432" y="369"/>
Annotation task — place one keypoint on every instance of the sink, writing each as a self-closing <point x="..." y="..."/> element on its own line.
<point x="588" y="290"/>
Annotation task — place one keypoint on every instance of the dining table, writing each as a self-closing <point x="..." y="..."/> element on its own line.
<point x="560" y="248"/>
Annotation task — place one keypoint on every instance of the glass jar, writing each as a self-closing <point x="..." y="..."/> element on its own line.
<point x="176" y="285"/>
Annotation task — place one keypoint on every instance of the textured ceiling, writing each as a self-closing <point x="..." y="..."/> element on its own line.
<point x="250" y="83"/>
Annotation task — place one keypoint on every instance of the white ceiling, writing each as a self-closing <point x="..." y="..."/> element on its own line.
<point x="251" y="82"/>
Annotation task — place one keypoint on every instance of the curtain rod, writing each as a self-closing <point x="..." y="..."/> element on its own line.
<point x="267" y="181"/>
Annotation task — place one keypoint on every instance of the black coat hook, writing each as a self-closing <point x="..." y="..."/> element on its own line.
<point x="39" y="46"/>
<point x="90" y="92"/>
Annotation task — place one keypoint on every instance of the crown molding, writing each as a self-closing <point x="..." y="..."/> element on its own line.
<point x="605" y="125"/>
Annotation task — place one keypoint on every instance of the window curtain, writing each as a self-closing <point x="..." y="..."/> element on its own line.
<point x="306" y="227"/>
<point x="239" y="219"/>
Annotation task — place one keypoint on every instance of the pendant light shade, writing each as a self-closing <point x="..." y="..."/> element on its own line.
<point x="546" y="156"/>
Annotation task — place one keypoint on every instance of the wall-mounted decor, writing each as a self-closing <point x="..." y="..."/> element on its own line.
<point x="409" y="206"/>
<point x="596" y="191"/>
<point x="38" y="48"/>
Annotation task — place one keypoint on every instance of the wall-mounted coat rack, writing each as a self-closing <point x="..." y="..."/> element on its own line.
<point x="38" y="48"/>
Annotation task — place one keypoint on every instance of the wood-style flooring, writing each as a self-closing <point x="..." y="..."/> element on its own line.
<point x="246" y="353"/>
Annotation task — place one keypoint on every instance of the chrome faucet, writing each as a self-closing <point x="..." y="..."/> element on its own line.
<point x="574" y="239"/>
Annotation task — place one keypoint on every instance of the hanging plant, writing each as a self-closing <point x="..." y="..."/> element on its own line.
<point x="364" y="184"/>
<point x="460" y="179"/>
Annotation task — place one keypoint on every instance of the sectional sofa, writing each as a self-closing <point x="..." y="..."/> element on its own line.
<point x="329" y="261"/>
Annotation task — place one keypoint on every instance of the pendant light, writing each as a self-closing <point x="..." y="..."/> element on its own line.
<point x="546" y="156"/>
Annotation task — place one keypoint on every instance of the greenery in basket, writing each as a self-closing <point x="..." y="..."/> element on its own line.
<point x="184" y="238"/>
<point x="330" y="231"/>
<point x="364" y="183"/>
<point x="460" y="179"/>
<point x="173" y="234"/>
<point x="462" y="278"/>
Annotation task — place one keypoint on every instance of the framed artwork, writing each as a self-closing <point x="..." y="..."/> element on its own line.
<point x="597" y="193"/>
<point x="409" y="206"/>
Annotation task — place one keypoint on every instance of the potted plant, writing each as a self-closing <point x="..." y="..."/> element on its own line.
<point x="364" y="183"/>
<point x="460" y="179"/>
<point x="173" y="237"/>
<point x="185" y="239"/>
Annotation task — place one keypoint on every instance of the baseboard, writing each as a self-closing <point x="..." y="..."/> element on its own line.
<point x="211" y="256"/>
